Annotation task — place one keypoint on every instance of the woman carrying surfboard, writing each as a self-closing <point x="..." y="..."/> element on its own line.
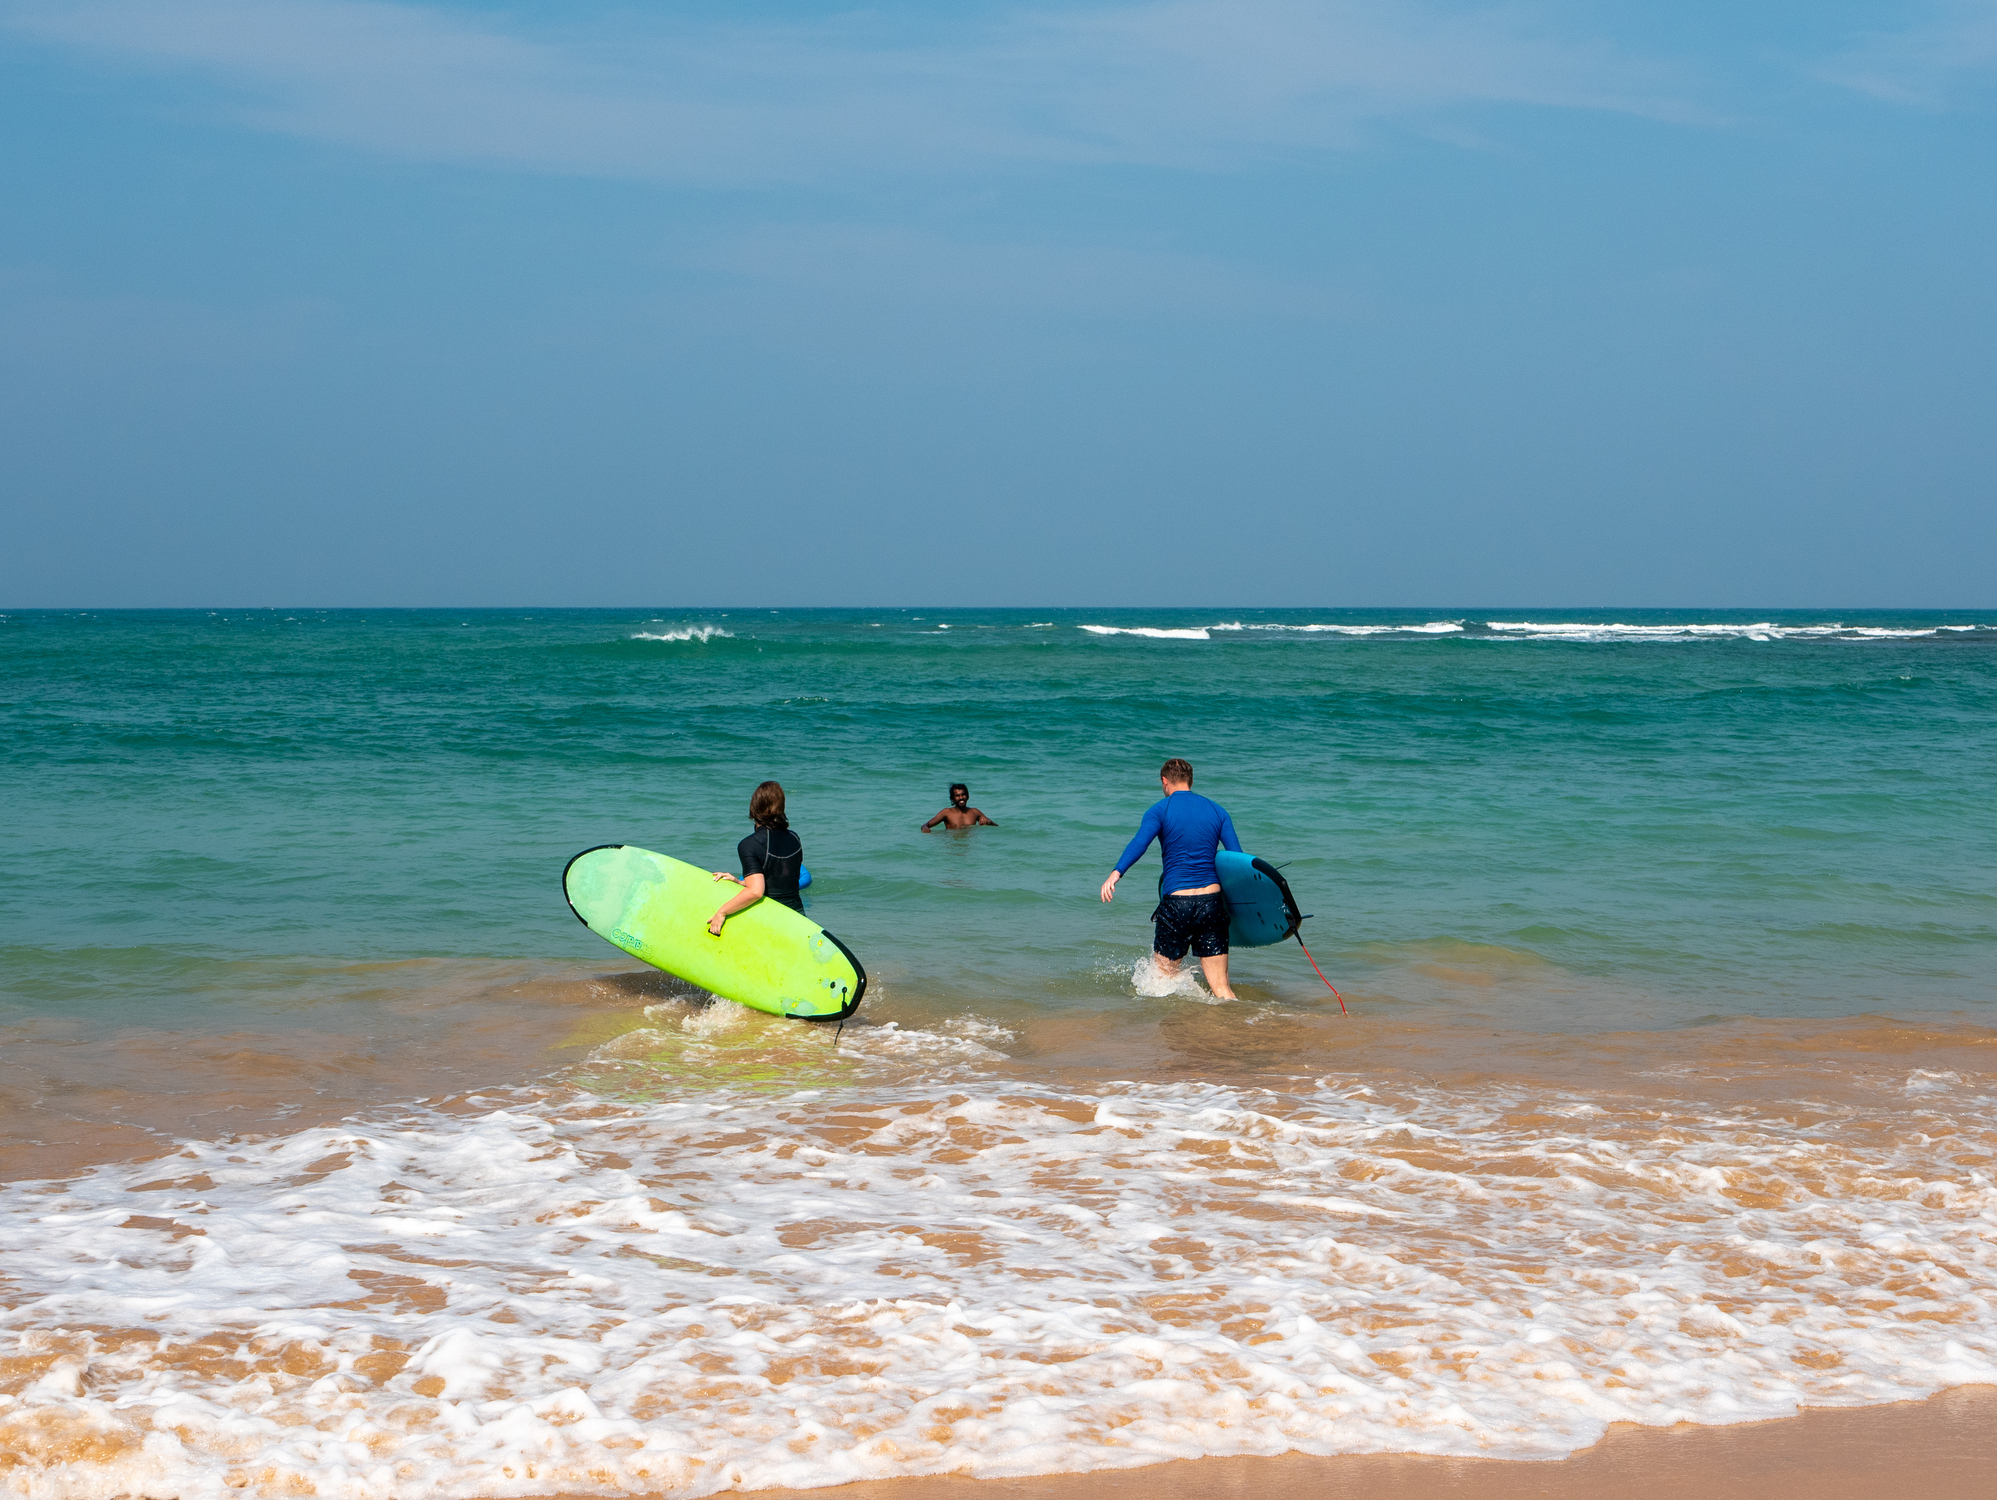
<point x="772" y="858"/>
<point x="1191" y="911"/>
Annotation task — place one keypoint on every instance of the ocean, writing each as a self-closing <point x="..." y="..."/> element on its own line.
<point x="340" y="1159"/>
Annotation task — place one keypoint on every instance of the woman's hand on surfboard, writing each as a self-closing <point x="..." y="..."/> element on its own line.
<point x="1109" y="885"/>
<point x="752" y="890"/>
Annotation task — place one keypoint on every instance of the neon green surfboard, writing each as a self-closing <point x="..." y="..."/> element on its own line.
<point x="768" y="958"/>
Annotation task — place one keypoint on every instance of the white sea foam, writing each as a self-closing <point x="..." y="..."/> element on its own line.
<point x="1921" y="1081"/>
<point x="1149" y="978"/>
<point x="1724" y="630"/>
<point x="708" y="1020"/>
<point x="977" y="1029"/>
<point x="1203" y="632"/>
<point x="686" y="633"/>
<point x="740" y="1290"/>
<point x="1533" y="630"/>
<point x="1431" y="627"/>
<point x="889" y="1041"/>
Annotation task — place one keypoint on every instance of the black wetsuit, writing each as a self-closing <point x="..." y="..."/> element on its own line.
<point x="777" y="855"/>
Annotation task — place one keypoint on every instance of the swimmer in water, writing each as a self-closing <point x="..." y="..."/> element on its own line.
<point x="960" y="813"/>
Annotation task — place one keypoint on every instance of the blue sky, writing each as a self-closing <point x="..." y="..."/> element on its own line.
<point x="1263" y="302"/>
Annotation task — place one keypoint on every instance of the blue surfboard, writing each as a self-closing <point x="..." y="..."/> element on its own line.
<point x="1260" y="908"/>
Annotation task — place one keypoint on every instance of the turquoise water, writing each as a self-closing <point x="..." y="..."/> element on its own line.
<point x="1775" y="822"/>
<point x="338" y="1158"/>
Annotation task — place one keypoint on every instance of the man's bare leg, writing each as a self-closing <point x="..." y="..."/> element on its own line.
<point x="1215" y="969"/>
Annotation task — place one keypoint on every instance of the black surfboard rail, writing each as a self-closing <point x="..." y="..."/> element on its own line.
<point x="565" y="878"/>
<point x="1290" y="909"/>
<point x="859" y="991"/>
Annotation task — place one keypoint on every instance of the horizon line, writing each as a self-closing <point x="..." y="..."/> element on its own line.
<point x="7" y="610"/>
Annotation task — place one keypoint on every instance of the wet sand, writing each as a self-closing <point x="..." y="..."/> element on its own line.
<point x="1944" y="1448"/>
<point x="72" y="1096"/>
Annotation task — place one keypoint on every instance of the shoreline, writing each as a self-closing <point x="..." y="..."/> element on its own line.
<point x="374" y="1035"/>
<point x="379" y="1035"/>
<point x="1945" y="1445"/>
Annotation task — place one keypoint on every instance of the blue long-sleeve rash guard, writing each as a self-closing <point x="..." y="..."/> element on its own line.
<point x="1188" y="828"/>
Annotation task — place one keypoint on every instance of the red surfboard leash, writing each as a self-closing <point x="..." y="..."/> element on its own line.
<point x="1320" y="974"/>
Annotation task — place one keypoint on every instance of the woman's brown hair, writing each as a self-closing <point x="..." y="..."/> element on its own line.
<point x="766" y="806"/>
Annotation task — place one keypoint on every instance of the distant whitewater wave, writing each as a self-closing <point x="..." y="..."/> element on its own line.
<point x="686" y="633"/>
<point x="1203" y="632"/>
<point x="1433" y="627"/>
<point x="1764" y="630"/>
<point x="1569" y="630"/>
<point x="1146" y="630"/>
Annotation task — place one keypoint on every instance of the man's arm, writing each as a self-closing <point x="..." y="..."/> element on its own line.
<point x="1134" y="850"/>
<point x="979" y="815"/>
<point x="935" y="820"/>
<point x="1227" y="839"/>
<point x="1149" y="829"/>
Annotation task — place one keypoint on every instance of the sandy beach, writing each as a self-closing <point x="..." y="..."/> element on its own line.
<point x="1944" y="1448"/>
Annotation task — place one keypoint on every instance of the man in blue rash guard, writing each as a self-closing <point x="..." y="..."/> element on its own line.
<point x="1193" y="913"/>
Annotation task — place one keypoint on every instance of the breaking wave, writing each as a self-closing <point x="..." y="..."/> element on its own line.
<point x="1146" y="630"/>
<point x="1580" y="631"/>
<point x="1761" y="631"/>
<point x="701" y="633"/>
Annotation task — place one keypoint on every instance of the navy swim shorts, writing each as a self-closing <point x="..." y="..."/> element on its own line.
<point x="1196" y="922"/>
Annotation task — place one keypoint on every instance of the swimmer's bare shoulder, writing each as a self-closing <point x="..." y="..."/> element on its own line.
<point x="960" y="813"/>
<point x="960" y="817"/>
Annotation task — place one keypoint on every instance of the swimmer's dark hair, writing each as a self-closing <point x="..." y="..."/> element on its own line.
<point x="1177" y="771"/>
<point x="958" y="786"/>
<point x="766" y="806"/>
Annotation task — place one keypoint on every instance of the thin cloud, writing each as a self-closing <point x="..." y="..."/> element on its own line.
<point x="1199" y="84"/>
<point x="1927" y="65"/>
<point x="1207" y="74"/>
